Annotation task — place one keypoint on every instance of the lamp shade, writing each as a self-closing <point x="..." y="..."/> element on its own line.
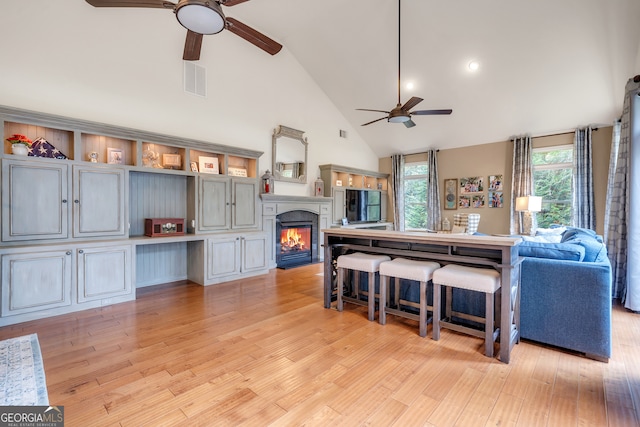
<point x="200" y="16"/>
<point x="529" y="204"/>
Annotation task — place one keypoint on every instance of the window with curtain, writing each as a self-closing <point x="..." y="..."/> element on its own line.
<point x="552" y="171"/>
<point x="415" y="195"/>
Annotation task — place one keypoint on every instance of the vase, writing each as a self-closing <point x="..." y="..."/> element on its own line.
<point x="19" y="149"/>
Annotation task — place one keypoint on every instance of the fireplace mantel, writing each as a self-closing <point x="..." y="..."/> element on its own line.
<point x="275" y="204"/>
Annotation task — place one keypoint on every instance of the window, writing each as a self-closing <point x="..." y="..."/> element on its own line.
<point x="415" y="195"/>
<point x="552" y="171"/>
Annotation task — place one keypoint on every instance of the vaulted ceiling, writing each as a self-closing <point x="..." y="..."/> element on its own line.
<point x="545" y="66"/>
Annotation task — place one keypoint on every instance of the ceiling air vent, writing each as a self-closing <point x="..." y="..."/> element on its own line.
<point x="195" y="79"/>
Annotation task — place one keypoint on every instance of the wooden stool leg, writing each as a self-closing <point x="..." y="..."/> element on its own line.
<point x="382" y="302"/>
<point x="437" y="304"/>
<point x="488" y="325"/>
<point x="372" y="296"/>
<point x="423" y="309"/>
<point x="396" y="297"/>
<point x="340" y="288"/>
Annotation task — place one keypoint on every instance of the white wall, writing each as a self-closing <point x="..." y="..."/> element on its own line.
<point x="123" y="66"/>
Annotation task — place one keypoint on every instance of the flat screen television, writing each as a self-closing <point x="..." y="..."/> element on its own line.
<point x="363" y="205"/>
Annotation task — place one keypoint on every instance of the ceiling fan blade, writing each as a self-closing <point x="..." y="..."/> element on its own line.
<point x="160" y="4"/>
<point x="252" y="36"/>
<point x="373" y="121"/>
<point x="409" y="123"/>
<point x="377" y="111"/>
<point x="411" y="103"/>
<point x="231" y="2"/>
<point x="192" y="46"/>
<point x="431" y="112"/>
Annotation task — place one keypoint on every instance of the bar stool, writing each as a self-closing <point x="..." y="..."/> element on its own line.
<point x="401" y="268"/>
<point x="357" y="262"/>
<point x="471" y="278"/>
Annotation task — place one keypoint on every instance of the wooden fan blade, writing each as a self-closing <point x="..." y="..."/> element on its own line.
<point x="192" y="46"/>
<point x="377" y="111"/>
<point x="231" y="2"/>
<point x="409" y="123"/>
<point x="160" y="4"/>
<point x="411" y="103"/>
<point x="252" y="36"/>
<point x="373" y="121"/>
<point x="431" y="112"/>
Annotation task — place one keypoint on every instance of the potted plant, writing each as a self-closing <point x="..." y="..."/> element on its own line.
<point x="19" y="144"/>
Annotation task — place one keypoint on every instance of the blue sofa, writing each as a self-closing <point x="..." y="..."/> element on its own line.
<point x="566" y="293"/>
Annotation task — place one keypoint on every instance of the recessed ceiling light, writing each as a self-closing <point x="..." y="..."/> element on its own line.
<point x="474" y="65"/>
<point x="409" y="86"/>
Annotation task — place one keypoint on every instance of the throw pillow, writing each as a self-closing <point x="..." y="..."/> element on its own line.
<point x="560" y="251"/>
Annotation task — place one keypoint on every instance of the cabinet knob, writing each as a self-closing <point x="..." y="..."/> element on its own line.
<point x="76" y="201"/>
<point x="64" y="200"/>
<point x="68" y="253"/>
<point x="227" y="203"/>
<point x="80" y="251"/>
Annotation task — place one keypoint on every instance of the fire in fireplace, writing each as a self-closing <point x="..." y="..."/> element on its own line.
<point x="295" y="244"/>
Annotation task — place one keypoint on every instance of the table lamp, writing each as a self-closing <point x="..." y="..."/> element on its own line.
<point x="528" y="205"/>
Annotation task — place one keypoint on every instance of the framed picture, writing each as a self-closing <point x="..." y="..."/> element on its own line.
<point x="496" y="199"/>
<point x="450" y="193"/>
<point x="345" y="221"/>
<point x="194" y="166"/>
<point x="495" y="182"/>
<point x="464" y="202"/>
<point x="338" y="183"/>
<point x="477" y="201"/>
<point x="473" y="184"/>
<point x="208" y="164"/>
<point x="115" y="156"/>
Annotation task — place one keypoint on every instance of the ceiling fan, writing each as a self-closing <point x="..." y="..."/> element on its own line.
<point x="401" y="113"/>
<point x="200" y="17"/>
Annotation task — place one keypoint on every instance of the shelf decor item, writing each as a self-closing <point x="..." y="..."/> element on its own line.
<point x="20" y="144"/>
<point x="115" y="156"/>
<point x="43" y="148"/>
<point x="266" y="183"/>
<point x="231" y="171"/>
<point x="154" y="227"/>
<point x="208" y="164"/>
<point x="318" y="187"/>
<point x="450" y="193"/>
<point x="171" y="161"/>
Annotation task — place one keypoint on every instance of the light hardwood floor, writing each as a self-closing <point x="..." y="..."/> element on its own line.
<point x="264" y="351"/>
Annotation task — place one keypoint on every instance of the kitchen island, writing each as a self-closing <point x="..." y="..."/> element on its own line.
<point x="496" y="252"/>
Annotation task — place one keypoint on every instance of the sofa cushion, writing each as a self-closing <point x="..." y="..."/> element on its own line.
<point x="562" y="251"/>
<point x="595" y="250"/>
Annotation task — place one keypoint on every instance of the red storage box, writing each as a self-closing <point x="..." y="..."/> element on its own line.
<point x="154" y="227"/>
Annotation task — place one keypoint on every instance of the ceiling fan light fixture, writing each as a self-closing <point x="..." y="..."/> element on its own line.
<point x="200" y="16"/>
<point x="399" y="119"/>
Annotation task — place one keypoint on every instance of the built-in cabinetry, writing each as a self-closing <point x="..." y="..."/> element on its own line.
<point x="337" y="179"/>
<point x="73" y="226"/>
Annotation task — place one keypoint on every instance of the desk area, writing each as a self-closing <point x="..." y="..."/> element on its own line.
<point x="500" y="253"/>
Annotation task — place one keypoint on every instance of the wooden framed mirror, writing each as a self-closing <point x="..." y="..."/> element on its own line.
<point x="289" y="155"/>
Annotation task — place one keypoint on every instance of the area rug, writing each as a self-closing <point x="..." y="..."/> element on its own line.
<point x="22" y="380"/>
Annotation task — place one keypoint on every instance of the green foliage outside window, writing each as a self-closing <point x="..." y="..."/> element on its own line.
<point x="552" y="170"/>
<point x="415" y="196"/>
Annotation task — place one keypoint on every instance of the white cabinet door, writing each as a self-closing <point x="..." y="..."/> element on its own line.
<point x="36" y="281"/>
<point x="99" y="201"/>
<point x="214" y="204"/>
<point x="254" y="252"/>
<point x="223" y="257"/>
<point x="104" y="272"/>
<point x="245" y="214"/>
<point x="34" y="200"/>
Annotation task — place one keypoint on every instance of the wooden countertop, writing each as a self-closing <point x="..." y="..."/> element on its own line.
<point x="424" y="237"/>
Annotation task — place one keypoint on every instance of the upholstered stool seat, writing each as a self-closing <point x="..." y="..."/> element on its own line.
<point x="400" y="268"/>
<point x="474" y="279"/>
<point x="357" y="262"/>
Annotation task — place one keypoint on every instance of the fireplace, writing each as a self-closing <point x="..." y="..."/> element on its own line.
<point x="296" y="239"/>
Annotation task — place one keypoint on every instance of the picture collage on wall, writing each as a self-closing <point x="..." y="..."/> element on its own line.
<point x="469" y="192"/>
